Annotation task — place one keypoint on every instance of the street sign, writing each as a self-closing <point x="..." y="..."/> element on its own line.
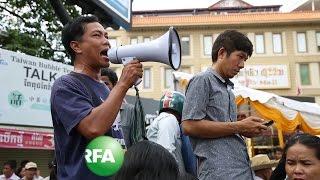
<point x="120" y="10"/>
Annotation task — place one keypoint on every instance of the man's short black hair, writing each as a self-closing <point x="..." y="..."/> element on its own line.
<point x="110" y="74"/>
<point x="74" y="30"/>
<point x="231" y="40"/>
<point x="11" y="163"/>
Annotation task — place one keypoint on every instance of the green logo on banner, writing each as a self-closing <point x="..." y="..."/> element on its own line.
<point x="104" y="156"/>
<point x="16" y="99"/>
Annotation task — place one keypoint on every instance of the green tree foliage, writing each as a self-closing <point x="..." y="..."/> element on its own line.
<point x="33" y="28"/>
<point x="16" y="41"/>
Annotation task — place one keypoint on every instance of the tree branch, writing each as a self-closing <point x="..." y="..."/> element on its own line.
<point x="58" y="50"/>
<point x="44" y="35"/>
<point x="30" y="6"/>
<point x="38" y="27"/>
<point x="34" y="12"/>
<point x="14" y="14"/>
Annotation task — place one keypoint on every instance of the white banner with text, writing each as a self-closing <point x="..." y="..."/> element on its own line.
<point x="275" y="76"/>
<point x="26" y="83"/>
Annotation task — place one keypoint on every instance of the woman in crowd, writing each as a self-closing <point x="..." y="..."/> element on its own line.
<point x="300" y="160"/>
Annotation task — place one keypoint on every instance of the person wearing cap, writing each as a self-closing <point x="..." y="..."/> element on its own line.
<point x="30" y="171"/>
<point x="262" y="166"/>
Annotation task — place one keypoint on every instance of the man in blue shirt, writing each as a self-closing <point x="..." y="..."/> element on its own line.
<point x="76" y="117"/>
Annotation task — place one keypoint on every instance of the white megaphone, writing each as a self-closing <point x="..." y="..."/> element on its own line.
<point x="165" y="49"/>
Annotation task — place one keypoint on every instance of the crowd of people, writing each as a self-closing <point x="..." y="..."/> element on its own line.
<point x="28" y="170"/>
<point x="195" y="136"/>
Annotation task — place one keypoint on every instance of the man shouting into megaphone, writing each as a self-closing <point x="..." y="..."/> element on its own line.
<point x="82" y="108"/>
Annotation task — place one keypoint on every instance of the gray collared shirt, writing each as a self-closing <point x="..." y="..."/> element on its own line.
<point x="209" y="96"/>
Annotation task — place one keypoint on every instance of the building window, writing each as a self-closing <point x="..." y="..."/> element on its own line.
<point x="168" y="76"/>
<point x="277" y="43"/>
<point x="113" y="42"/>
<point x="305" y="74"/>
<point x="318" y="41"/>
<point x="133" y="41"/>
<point x="146" y="39"/>
<point x="207" y="45"/>
<point x="185" y="46"/>
<point x="259" y="38"/>
<point x="146" y="78"/>
<point x="301" y="42"/>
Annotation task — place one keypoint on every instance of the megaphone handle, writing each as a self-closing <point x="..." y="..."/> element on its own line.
<point x="125" y="61"/>
<point x="138" y="82"/>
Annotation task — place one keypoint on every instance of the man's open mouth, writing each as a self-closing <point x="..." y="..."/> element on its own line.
<point x="104" y="52"/>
